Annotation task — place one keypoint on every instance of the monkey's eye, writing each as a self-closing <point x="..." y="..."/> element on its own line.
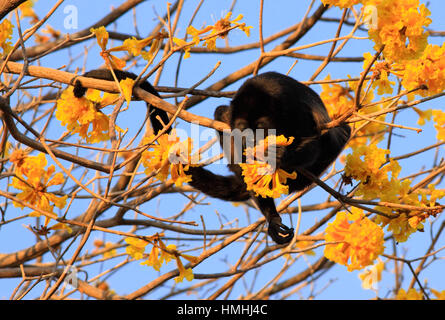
<point x="241" y="124"/>
<point x="262" y="123"/>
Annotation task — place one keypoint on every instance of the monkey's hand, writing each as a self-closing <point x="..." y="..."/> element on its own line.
<point x="279" y="233"/>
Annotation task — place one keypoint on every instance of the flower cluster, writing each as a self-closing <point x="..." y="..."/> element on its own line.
<point x="360" y="241"/>
<point x="78" y="114"/>
<point x="260" y="176"/>
<point x="210" y="33"/>
<point x="33" y="181"/>
<point x="401" y="28"/>
<point x="380" y="72"/>
<point x="169" y="156"/>
<point x="412" y="294"/>
<point x="379" y="179"/>
<point x="339" y="99"/>
<point x="160" y="254"/>
<point x="428" y="70"/>
<point x="6" y="35"/>
<point x="401" y="32"/>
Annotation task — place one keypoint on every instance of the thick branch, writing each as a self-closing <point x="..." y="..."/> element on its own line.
<point x="6" y="6"/>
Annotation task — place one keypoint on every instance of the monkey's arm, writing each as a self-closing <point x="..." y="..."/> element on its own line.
<point x="229" y="188"/>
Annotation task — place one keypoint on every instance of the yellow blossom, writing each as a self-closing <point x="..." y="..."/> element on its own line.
<point x="136" y="247"/>
<point x="401" y="28"/>
<point x="439" y="295"/>
<point x="169" y="156"/>
<point x="219" y="30"/>
<point x="183" y="272"/>
<point x="102" y="40"/>
<point x="78" y="114"/>
<point x="34" y="180"/>
<point x="127" y="88"/>
<point x="26" y="10"/>
<point x="187" y="46"/>
<point x="260" y="176"/>
<point x="153" y="259"/>
<point x="61" y="226"/>
<point x="341" y="3"/>
<point x="428" y="70"/>
<point x="370" y="276"/>
<point x="6" y="35"/>
<point x="423" y="115"/>
<point x="166" y="256"/>
<point x="135" y="47"/>
<point x="412" y="294"/>
<point x="305" y="244"/>
<point x="439" y="123"/>
<point x="360" y="241"/>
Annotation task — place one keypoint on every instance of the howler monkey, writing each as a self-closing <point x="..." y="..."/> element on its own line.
<point x="266" y="101"/>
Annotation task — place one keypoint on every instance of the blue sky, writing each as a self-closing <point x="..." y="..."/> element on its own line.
<point x="278" y="15"/>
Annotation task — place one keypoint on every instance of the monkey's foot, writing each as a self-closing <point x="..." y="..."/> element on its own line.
<point x="280" y="233"/>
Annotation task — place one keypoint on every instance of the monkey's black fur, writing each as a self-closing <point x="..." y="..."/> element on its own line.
<point x="267" y="101"/>
<point x="275" y="101"/>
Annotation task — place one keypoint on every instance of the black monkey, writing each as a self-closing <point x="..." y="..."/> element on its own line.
<point x="267" y="101"/>
<point x="275" y="101"/>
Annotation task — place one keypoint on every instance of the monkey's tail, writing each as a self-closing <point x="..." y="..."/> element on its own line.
<point x="228" y="188"/>
<point x="105" y="74"/>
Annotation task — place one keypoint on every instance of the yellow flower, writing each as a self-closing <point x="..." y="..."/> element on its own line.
<point x="153" y="259"/>
<point x="360" y="241"/>
<point x="439" y="124"/>
<point x="439" y="295"/>
<point x="305" y="244"/>
<point x="136" y="247"/>
<point x="183" y="272"/>
<point x="77" y="114"/>
<point x="27" y="10"/>
<point x="260" y="176"/>
<point x="219" y="30"/>
<point x="401" y="29"/>
<point x="412" y="294"/>
<point x="102" y="40"/>
<point x="6" y="35"/>
<point x="340" y="3"/>
<point x="423" y="115"/>
<point x="336" y="98"/>
<point x="169" y="156"/>
<point x="166" y="256"/>
<point x="61" y="226"/>
<point x="428" y="70"/>
<point x="127" y="88"/>
<point x="135" y="47"/>
<point x="372" y="275"/>
<point x="33" y="180"/>
<point x="187" y="46"/>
